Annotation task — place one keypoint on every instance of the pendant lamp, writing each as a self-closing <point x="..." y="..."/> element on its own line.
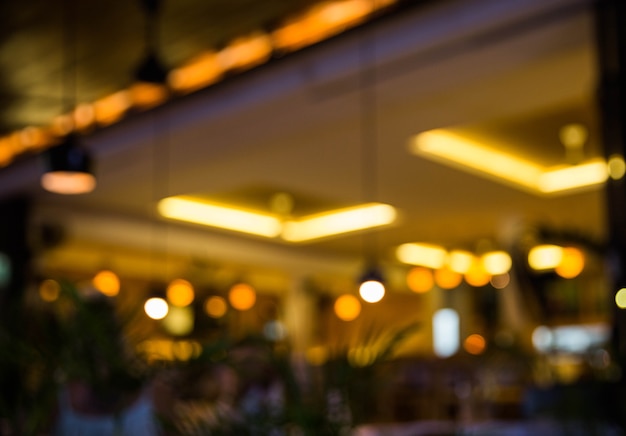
<point x="68" y="166"/>
<point x="371" y="282"/>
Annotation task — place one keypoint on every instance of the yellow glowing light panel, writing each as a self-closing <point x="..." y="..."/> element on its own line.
<point x="307" y="228"/>
<point x="451" y="149"/>
<point x="338" y="222"/>
<point x="214" y="215"/>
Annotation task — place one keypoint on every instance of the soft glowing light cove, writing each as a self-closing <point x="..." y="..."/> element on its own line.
<point x="214" y="215"/>
<point x="307" y="228"/>
<point x="451" y="149"/>
<point x="338" y="222"/>
<point x="428" y="255"/>
<point x="446" y="333"/>
<point x="573" y="177"/>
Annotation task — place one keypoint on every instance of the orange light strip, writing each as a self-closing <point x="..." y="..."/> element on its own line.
<point x="319" y="22"/>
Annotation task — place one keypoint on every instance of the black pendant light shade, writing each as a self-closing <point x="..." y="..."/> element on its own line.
<point x="68" y="168"/>
<point x="151" y="70"/>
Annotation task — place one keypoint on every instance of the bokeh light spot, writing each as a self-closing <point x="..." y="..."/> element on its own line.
<point x="107" y="282"/>
<point x="180" y="293"/>
<point x="242" y="296"/>
<point x="447" y="279"/>
<point x="420" y="279"/>
<point x="372" y="291"/>
<point x="347" y="307"/>
<point x="572" y="263"/>
<point x="475" y="344"/>
<point x="156" y="308"/>
<point x="49" y="290"/>
<point x="215" y="306"/>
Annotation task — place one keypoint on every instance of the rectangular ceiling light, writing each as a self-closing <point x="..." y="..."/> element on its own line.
<point x="224" y="217"/>
<point x="338" y="221"/>
<point x="428" y="255"/>
<point x="574" y="177"/>
<point x="453" y="150"/>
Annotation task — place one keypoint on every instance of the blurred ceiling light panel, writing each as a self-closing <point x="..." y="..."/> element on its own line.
<point x="338" y="222"/>
<point x="428" y="255"/>
<point x="496" y="262"/>
<point x="224" y="217"/>
<point x="545" y="257"/>
<point x="448" y="148"/>
<point x="573" y="177"/>
<point x="460" y="261"/>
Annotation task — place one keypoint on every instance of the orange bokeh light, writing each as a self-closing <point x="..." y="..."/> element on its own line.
<point x="242" y="296"/>
<point x="475" y="344"/>
<point x="447" y="279"/>
<point x="420" y="279"/>
<point x="572" y="263"/>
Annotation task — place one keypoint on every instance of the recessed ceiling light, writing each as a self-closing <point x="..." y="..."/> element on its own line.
<point x="303" y="229"/>
<point x="458" y="152"/>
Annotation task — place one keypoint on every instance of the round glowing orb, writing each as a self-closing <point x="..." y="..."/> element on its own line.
<point x="372" y="291"/>
<point x="347" y="307"/>
<point x="620" y="298"/>
<point x="156" y="308"/>
<point x="500" y="281"/>
<point x="180" y="293"/>
<point x="477" y="276"/>
<point x="616" y="167"/>
<point x="497" y="262"/>
<point x="242" y="296"/>
<point x="215" y="306"/>
<point x="317" y="355"/>
<point x="179" y="321"/>
<point x="447" y="279"/>
<point x="475" y="344"/>
<point x="107" y="282"/>
<point x="572" y="263"/>
<point x="49" y="290"/>
<point x="420" y="280"/>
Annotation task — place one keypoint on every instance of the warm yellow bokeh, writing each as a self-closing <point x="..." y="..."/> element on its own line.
<point x="107" y="282"/>
<point x="49" y="290"/>
<point x="572" y="263"/>
<point x="242" y="296"/>
<point x="180" y="293"/>
<point x="447" y="279"/>
<point x="347" y="307"/>
<point x="476" y="276"/>
<point x="215" y="306"/>
<point x="475" y="344"/>
<point x="420" y="280"/>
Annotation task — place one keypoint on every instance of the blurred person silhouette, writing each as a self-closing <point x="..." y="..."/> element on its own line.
<point x="104" y="389"/>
